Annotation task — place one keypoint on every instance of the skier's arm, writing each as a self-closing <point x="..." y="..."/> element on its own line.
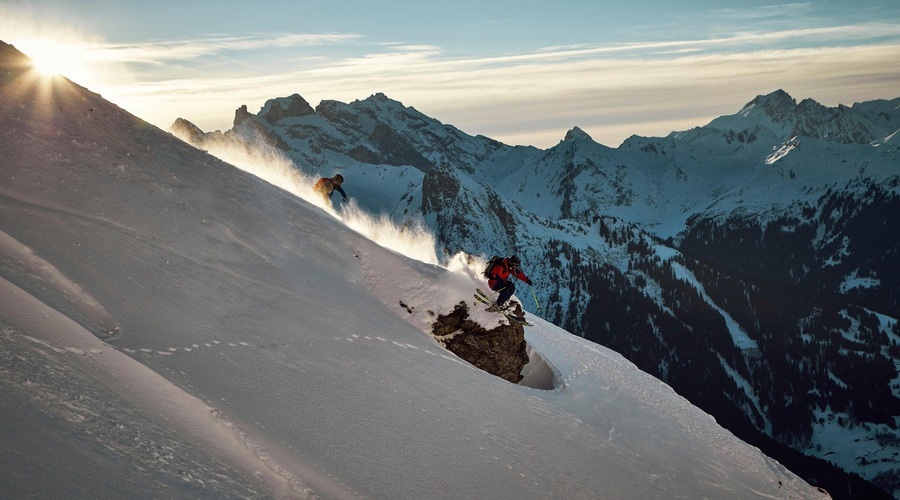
<point x="341" y="190"/>
<point x="521" y="276"/>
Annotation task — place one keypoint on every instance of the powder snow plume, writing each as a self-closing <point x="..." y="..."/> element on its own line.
<point x="265" y="162"/>
<point x="412" y="239"/>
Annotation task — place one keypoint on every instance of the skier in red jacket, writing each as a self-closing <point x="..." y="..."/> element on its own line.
<point x="498" y="279"/>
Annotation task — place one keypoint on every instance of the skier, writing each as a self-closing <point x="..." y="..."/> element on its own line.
<point x="498" y="280"/>
<point x="327" y="185"/>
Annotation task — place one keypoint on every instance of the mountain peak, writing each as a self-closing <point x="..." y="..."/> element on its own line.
<point x="780" y="113"/>
<point x="778" y="105"/>
<point x="576" y="134"/>
<point x="379" y="100"/>
<point x="293" y="106"/>
<point x="778" y="96"/>
<point x="380" y="96"/>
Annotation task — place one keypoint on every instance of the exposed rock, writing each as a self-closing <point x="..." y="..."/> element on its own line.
<point x="185" y="129"/>
<point x="439" y="187"/>
<point x="240" y="115"/>
<point x="577" y="134"/>
<point x="278" y="109"/>
<point x="395" y="149"/>
<point x="500" y="351"/>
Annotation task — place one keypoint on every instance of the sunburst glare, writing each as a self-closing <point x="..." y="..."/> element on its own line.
<point x="58" y="58"/>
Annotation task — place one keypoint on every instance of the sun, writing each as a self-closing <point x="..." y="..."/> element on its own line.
<point x="54" y="58"/>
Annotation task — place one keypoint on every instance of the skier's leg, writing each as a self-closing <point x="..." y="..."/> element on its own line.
<point x="506" y="293"/>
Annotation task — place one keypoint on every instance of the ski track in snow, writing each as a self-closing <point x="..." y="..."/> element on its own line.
<point x="63" y="336"/>
<point x="218" y="345"/>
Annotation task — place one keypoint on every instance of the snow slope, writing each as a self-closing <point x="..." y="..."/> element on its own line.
<point x="217" y="315"/>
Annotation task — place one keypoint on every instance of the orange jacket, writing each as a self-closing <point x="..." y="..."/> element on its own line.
<point x="325" y="186"/>
<point x="502" y="271"/>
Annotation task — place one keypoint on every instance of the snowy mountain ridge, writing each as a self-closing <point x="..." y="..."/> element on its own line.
<point x="862" y="123"/>
<point x="380" y="131"/>
<point x="679" y="252"/>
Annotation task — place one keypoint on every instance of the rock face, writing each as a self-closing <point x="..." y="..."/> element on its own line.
<point x="276" y="110"/>
<point x="184" y="127"/>
<point x="500" y="351"/>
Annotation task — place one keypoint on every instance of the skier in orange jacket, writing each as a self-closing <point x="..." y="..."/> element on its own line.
<point x="326" y="186"/>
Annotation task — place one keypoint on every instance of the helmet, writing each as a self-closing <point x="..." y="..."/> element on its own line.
<point x="513" y="260"/>
<point x="338" y="179"/>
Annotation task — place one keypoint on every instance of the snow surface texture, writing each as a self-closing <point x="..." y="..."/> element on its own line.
<point x="245" y="325"/>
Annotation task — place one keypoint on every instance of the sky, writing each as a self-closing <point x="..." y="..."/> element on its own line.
<point x="521" y="72"/>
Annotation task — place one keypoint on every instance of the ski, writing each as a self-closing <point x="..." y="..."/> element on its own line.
<point x="493" y="307"/>
<point x="481" y="299"/>
<point x="485" y="299"/>
<point x="516" y="319"/>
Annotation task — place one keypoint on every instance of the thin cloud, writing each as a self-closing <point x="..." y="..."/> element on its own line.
<point x="875" y="32"/>
<point x="163" y="52"/>
<point x="791" y="11"/>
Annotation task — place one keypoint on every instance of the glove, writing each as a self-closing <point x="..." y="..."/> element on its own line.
<point x="345" y="198"/>
<point x="528" y="280"/>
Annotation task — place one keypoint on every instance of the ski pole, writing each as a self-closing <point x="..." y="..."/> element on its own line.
<point x="534" y="295"/>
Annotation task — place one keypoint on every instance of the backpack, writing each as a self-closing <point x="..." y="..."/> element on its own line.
<point x="495" y="260"/>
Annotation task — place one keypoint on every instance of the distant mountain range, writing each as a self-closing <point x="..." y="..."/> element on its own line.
<point x="751" y="263"/>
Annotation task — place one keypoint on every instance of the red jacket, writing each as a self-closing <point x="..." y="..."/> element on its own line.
<point x="501" y="271"/>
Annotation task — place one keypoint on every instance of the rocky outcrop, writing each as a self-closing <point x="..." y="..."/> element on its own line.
<point x="241" y="115"/>
<point x="440" y="187"/>
<point x="252" y="123"/>
<point x="500" y="351"/>
<point x="293" y="106"/>
<point x="187" y="130"/>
